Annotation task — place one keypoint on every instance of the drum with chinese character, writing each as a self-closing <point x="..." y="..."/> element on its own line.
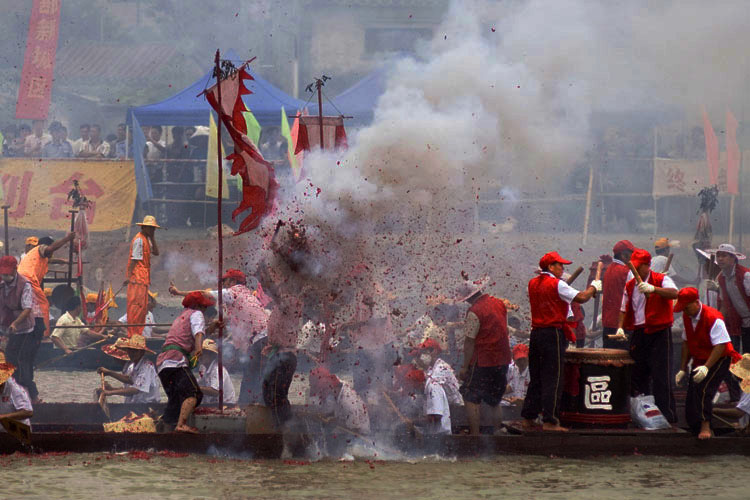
<point x="596" y="388"/>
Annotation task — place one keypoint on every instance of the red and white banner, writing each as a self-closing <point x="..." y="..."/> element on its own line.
<point x="334" y="134"/>
<point x="35" y="90"/>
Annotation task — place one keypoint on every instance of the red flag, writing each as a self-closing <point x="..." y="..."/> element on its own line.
<point x="712" y="150"/>
<point x="733" y="155"/>
<point x="334" y="134"/>
<point x="258" y="181"/>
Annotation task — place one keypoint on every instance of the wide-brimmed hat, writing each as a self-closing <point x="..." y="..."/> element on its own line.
<point x="6" y="369"/>
<point x="111" y="350"/>
<point x="137" y="342"/>
<point x="210" y="345"/>
<point x="32" y="240"/>
<point x="148" y="220"/>
<point x="235" y="274"/>
<point x="741" y="369"/>
<point x="469" y="288"/>
<point x="8" y="264"/>
<point x="550" y="258"/>
<point x="664" y="242"/>
<point x="686" y="296"/>
<point x="92" y="297"/>
<point x="196" y="299"/>
<point x="728" y="248"/>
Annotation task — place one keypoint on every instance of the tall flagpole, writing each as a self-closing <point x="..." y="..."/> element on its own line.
<point x="221" y="245"/>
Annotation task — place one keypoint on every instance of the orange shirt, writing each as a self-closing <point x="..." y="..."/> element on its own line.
<point x="33" y="267"/>
<point x="141" y="271"/>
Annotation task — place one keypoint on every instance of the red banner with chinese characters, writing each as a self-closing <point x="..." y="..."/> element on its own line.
<point x="35" y="90"/>
<point x="37" y="192"/>
<point x="675" y="177"/>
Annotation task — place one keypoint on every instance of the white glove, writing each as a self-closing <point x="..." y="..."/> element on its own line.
<point x="646" y="287"/>
<point x="712" y="285"/>
<point x="621" y="332"/>
<point x="678" y="378"/>
<point x="699" y="374"/>
<point x="597" y="284"/>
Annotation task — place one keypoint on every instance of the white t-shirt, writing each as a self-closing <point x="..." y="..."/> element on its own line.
<point x="245" y="315"/>
<point x="144" y="379"/>
<point x="639" y="301"/>
<point x="137" y="253"/>
<point x="197" y="325"/>
<point x="209" y="377"/>
<point x="441" y="389"/>
<point x="147" y="330"/>
<point x="718" y="333"/>
<point x="518" y="381"/>
<point x="14" y="398"/>
<point x="153" y="152"/>
<point x="566" y="293"/>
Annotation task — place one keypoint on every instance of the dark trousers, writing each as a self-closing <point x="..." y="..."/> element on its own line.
<point x="546" y="358"/>
<point x="699" y="401"/>
<point x="21" y="352"/>
<point x="251" y="390"/>
<point x="179" y="384"/>
<point x="609" y="343"/>
<point x="745" y="333"/>
<point x="652" y="372"/>
<point x="277" y="377"/>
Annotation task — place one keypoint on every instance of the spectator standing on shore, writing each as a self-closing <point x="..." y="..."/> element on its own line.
<point x="34" y="142"/>
<point x="58" y="147"/>
<point x="95" y="147"/>
<point x="81" y="141"/>
<point x="121" y="142"/>
<point x="156" y="148"/>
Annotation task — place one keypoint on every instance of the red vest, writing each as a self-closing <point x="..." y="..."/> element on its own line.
<point x="733" y="319"/>
<point x="613" y="284"/>
<point x="548" y="310"/>
<point x="491" y="347"/>
<point x="699" y="338"/>
<point x="658" y="312"/>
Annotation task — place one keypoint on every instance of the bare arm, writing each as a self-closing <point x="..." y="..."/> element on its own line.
<point x="18" y="415"/>
<point x="716" y="353"/>
<point x="209" y="391"/>
<point x="115" y="375"/>
<point x="585" y="295"/>
<point x="621" y="319"/>
<point x="60" y="345"/>
<point x="123" y="391"/>
<point x="666" y="293"/>
<point x="468" y="354"/>
<point x="20" y="319"/>
<point x="154" y="246"/>
<point x="57" y="245"/>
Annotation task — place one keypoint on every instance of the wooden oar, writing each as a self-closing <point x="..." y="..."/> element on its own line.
<point x="417" y="433"/>
<point x="17" y="429"/>
<point x="103" y="401"/>
<point x="58" y="358"/>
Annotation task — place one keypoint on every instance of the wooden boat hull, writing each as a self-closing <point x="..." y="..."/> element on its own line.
<point x="88" y="358"/>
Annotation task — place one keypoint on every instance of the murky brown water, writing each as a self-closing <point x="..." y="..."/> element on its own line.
<point x="129" y="476"/>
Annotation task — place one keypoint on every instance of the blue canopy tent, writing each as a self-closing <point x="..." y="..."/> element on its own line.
<point x="359" y="100"/>
<point x="189" y="108"/>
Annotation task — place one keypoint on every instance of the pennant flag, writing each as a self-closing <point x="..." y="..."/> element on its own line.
<point x="253" y="127"/>
<point x="733" y="155"/>
<point x="258" y="182"/>
<point x="2" y="141"/>
<point x="712" y="150"/>
<point x="295" y="161"/>
<point x="334" y="134"/>
<point x="212" y="170"/>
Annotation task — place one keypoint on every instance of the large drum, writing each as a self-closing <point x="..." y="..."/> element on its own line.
<point x="596" y="388"/>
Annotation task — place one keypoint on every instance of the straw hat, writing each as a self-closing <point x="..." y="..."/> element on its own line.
<point x="153" y="295"/>
<point x="741" y="369"/>
<point x="32" y="240"/>
<point x="148" y="220"/>
<point x="137" y="342"/>
<point x="210" y="345"/>
<point x="92" y="297"/>
<point x="469" y="288"/>
<point x="111" y="350"/>
<point x="6" y="369"/>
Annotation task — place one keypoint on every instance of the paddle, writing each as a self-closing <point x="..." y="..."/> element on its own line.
<point x="417" y="433"/>
<point x="103" y="401"/>
<point x="58" y="358"/>
<point x="17" y="429"/>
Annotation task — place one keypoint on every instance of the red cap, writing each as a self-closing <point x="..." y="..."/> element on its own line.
<point x="196" y="299"/>
<point x="414" y="380"/>
<point x="8" y="264"/>
<point x="551" y="258"/>
<point x="235" y="274"/>
<point x="686" y="296"/>
<point x="426" y="345"/>
<point x="520" y="351"/>
<point x="322" y="381"/>
<point x="623" y="246"/>
<point x="639" y="257"/>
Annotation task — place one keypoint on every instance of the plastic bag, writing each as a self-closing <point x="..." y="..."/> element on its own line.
<point x="646" y="414"/>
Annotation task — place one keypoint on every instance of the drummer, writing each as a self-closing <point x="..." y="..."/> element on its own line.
<point x="140" y="382"/>
<point x="550" y="298"/>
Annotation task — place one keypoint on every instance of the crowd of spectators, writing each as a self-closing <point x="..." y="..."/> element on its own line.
<point x="36" y="142"/>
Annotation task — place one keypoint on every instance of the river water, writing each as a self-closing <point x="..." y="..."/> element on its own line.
<point x="153" y="476"/>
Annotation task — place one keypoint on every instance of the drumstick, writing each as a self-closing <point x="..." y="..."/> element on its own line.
<point x="637" y="276"/>
<point x="597" y="277"/>
<point x="575" y="275"/>
<point x="669" y="263"/>
<point x="599" y="266"/>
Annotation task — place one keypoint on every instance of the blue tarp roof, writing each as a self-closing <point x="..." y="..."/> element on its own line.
<point x="359" y="100"/>
<point x="187" y="108"/>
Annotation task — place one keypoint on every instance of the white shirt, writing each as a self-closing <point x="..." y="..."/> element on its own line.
<point x="102" y="149"/>
<point x="14" y="398"/>
<point x="350" y="410"/>
<point x="639" y="301"/>
<point x="744" y="405"/>
<point x="565" y="291"/>
<point x="245" y="315"/>
<point x="144" y="379"/>
<point x="197" y="325"/>
<point x="719" y="333"/>
<point x="147" y="330"/>
<point x="659" y="262"/>
<point x="27" y="300"/>
<point x="153" y="152"/>
<point x="137" y="253"/>
<point x="441" y="388"/>
<point x="518" y="381"/>
<point x="209" y="377"/>
<point x="78" y="145"/>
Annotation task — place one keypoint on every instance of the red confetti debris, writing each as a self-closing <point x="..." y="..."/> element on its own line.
<point x="493" y="29"/>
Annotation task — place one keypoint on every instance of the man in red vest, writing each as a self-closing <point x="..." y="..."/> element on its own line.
<point x="705" y="341"/>
<point x="486" y="352"/>
<point x="734" y="298"/>
<point x="647" y="311"/>
<point x="613" y="285"/>
<point x="550" y="298"/>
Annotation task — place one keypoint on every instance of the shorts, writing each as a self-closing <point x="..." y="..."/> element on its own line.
<point x="485" y="383"/>
<point x="179" y="384"/>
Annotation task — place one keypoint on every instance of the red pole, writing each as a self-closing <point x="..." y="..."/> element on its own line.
<point x="319" y="85"/>
<point x="221" y="245"/>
